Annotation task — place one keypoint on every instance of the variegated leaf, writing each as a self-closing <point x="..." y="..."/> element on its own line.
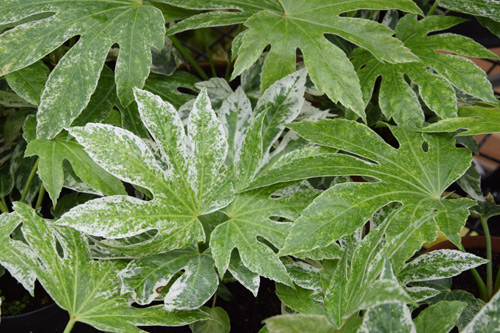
<point x="29" y="82"/>
<point x="299" y="323"/>
<point x="441" y="317"/>
<point x="102" y="305"/>
<point x="488" y="319"/>
<point x="195" y="183"/>
<point x="147" y="276"/>
<point x="394" y="317"/>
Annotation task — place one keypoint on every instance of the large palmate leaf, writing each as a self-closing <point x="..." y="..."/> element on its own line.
<point x="145" y="277"/>
<point x="186" y="176"/>
<point x="290" y="25"/>
<point x="416" y="174"/>
<point x="436" y="86"/>
<point x="250" y="219"/>
<point x="99" y="24"/>
<point x="52" y="154"/>
<point x="89" y="290"/>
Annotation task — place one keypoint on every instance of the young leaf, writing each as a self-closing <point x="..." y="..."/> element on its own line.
<point x="88" y="289"/>
<point x="473" y="120"/>
<point x="438" y="265"/>
<point x="250" y="218"/>
<point x="441" y="317"/>
<point x="146" y="276"/>
<point x="195" y="183"/>
<point x="52" y="154"/>
<point x="397" y="99"/>
<point x="299" y="299"/>
<point x="99" y="24"/>
<point x="416" y="174"/>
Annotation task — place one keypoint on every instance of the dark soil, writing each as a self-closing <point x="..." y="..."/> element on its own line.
<point x="466" y="282"/>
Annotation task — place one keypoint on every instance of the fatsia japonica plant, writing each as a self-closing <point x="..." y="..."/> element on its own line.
<point x="323" y="164"/>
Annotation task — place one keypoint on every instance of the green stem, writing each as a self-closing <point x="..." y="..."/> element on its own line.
<point x="489" y="264"/>
<point x="39" y="200"/>
<point x="185" y="53"/>
<point x="3" y="205"/>
<point x="483" y="294"/>
<point x="28" y="183"/>
<point x="209" y="54"/>
<point x="497" y="283"/>
<point x="433" y="8"/>
<point x="69" y="326"/>
<point x="213" y="302"/>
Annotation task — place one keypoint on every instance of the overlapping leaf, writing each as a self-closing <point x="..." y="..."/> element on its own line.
<point x="146" y="276"/>
<point x="441" y="317"/>
<point x="485" y="8"/>
<point x="436" y="86"/>
<point x="99" y="24"/>
<point x="52" y="154"/>
<point x="415" y="174"/>
<point x="488" y="319"/>
<point x="289" y="25"/>
<point x="187" y="176"/>
<point x="89" y="290"/>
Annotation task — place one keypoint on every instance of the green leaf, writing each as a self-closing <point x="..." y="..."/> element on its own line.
<point x="195" y="183"/>
<point x="472" y="120"/>
<point x="13" y="124"/>
<point x="20" y="169"/>
<point x="250" y="219"/>
<point x="441" y="317"/>
<point x="6" y="181"/>
<point x="29" y="82"/>
<point x="485" y="8"/>
<point x="217" y="323"/>
<point x="147" y="276"/>
<point x="474" y="304"/>
<point x="304" y="26"/>
<point x="299" y="323"/>
<point x="299" y="299"/>
<point x="16" y="256"/>
<point x="394" y="317"/>
<point x="167" y="87"/>
<point x="246" y="277"/>
<point x="52" y="154"/>
<point x="99" y="24"/>
<point x="415" y="174"/>
<point x="436" y="88"/>
<point x="11" y="100"/>
<point x="439" y="264"/>
<point x="102" y="306"/>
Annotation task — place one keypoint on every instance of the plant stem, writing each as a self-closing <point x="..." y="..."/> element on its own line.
<point x="213" y="302"/>
<point x="433" y="8"/>
<point x="209" y="54"/>
<point x="489" y="265"/>
<point x="69" y="326"/>
<point x="483" y="294"/>
<point x="39" y="200"/>
<point x="185" y="53"/>
<point x="3" y="205"/>
<point x="497" y="283"/>
<point x="28" y="182"/>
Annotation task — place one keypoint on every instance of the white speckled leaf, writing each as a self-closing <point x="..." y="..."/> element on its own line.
<point x="29" y="82"/>
<point x="409" y="174"/>
<point x="52" y="154"/>
<point x="488" y="319"/>
<point x="397" y="99"/>
<point x="249" y="217"/>
<point x="394" y="317"/>
<point x="15" y="256"/>
<point x="99" y="24"/>
<point x="438" y="265"/>
<point x="441" y="317"/>
<point x="195" y="183"/>
<point x="486" y="8"/>
<point x="146" y="276"/>
<point x="89" y="290"/>
<point x="279" y="104"/>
